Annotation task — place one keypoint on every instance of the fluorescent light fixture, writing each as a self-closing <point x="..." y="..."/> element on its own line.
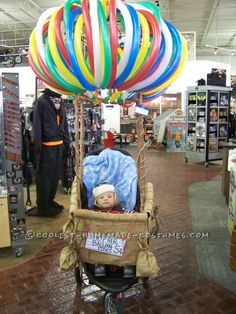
<point x="29" y="14"/>
<point x="221" y="48"/>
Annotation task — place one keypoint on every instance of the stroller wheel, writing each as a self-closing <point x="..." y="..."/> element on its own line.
<point x="78" y="275"/>
<point x="114" y="303"/>
<point x="145" y="282"/>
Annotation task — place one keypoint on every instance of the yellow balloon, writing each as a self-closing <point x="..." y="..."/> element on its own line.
<point x="103" y="54"/>
<point x="78" y="45"/>
<point x="33" y="48"/>
<point x="114" y="96"/>
<point x="120" y="52"/>
<point x="105" y="7"/>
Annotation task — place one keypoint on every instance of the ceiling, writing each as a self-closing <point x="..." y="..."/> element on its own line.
<point x="213" y="21"/>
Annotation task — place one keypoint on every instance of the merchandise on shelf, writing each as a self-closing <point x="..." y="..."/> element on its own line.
<point x="192" y="113"/>
<point x="201" y="115"/>
<point x="213" y="114"/>
<point x="223" y="131"/>
<point x="190" y="144"/>
<point x="200" y="129"/>
<point x="212" y="145"/>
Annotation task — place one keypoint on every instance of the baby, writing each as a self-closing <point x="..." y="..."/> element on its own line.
<point x="106" y="201"/>
<point x="105" y="198"/>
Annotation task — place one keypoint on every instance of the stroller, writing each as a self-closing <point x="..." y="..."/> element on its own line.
<point x="135" y="229"/>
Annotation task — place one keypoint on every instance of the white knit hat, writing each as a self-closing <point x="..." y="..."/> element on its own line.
<point x="101" y="189"/>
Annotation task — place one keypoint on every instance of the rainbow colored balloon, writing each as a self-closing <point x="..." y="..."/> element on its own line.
<point x="85" y="45"/>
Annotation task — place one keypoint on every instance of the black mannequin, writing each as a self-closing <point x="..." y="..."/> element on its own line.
<point x="50" y="134"/>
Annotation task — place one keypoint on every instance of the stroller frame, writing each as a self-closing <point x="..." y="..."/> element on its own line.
<point x="113" y="285"/>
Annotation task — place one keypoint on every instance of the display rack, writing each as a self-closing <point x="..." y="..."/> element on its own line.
<point x="12" y="222"/>
<point x="207" y="122"/>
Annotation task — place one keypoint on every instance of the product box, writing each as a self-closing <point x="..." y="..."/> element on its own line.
<point x="176" y="133"/>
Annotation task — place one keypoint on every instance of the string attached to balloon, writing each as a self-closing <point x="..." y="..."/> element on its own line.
<point x="85" y="45"/>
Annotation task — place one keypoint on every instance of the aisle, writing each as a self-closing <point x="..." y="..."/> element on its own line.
<point x="39" y="287"/>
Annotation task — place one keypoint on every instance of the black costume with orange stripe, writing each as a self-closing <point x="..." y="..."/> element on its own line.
<point x="50" y="133"/>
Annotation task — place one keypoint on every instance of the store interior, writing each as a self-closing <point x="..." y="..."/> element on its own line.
<point x="181" y="138"/>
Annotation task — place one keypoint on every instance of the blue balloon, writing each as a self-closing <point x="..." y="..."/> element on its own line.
<point x="134" y="50"/>
<point x="71" y="51"/>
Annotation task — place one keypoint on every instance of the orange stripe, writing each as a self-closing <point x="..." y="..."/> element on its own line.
<point x="52" y="143"/>
<point x="58" y="119"/>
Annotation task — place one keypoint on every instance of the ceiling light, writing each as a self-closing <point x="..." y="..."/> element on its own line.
<point x="29" y="14"/>
<point x="217" y="48"/>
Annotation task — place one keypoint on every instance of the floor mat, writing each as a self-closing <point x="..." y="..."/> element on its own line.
<point x="39" y="231"/>
<point x="209" y="216"/>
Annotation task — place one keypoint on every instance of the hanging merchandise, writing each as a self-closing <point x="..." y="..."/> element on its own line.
<point x="92" y="138"/>
<point x="86" y="45"/>
<point x="11" y="185"/>
<point x="27" y="155"/>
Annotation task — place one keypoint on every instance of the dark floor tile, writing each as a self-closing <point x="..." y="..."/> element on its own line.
<point x="229" y="304"/>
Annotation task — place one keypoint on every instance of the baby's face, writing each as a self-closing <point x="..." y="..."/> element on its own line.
<point x="106" y="200"/>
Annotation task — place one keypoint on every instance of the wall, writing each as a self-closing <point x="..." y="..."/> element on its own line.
<point x="193" y="71"/>
<point x="224" y="59"/>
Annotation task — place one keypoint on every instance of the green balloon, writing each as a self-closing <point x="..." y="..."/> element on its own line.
<point x="152" y="7"/>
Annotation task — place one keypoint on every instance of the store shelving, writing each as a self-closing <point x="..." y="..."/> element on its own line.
<point x="12" y="211"/>
<point x="207" y="122"/>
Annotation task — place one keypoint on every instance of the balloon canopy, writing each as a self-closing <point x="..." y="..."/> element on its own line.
<point x="85" y="45"/>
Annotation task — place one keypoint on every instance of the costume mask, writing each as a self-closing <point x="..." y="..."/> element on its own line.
<point x="57" y="102"/>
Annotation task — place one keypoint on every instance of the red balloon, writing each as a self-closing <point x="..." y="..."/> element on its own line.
<point x="88" y="32"/>
<point x="59" y="39"/>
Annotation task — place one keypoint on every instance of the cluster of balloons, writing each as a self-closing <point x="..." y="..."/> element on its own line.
<point x="86" y="45"/>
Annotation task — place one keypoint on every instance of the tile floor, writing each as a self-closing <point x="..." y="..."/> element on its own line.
<point x="39" y="287"/>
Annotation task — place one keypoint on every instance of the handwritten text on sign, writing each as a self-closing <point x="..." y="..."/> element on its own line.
<point x="105" y="244"/>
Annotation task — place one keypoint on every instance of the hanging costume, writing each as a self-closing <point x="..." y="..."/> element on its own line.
<point x="50" y="133"/>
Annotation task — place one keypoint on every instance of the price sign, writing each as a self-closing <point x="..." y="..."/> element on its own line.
<point x="105" y="244"/>
<point x="141" y="110"/>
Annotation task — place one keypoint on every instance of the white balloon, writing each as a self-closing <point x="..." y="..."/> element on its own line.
<point x="39" y="31"/>
<point x="97" y="53"/>
<point x="128" y="37"/>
